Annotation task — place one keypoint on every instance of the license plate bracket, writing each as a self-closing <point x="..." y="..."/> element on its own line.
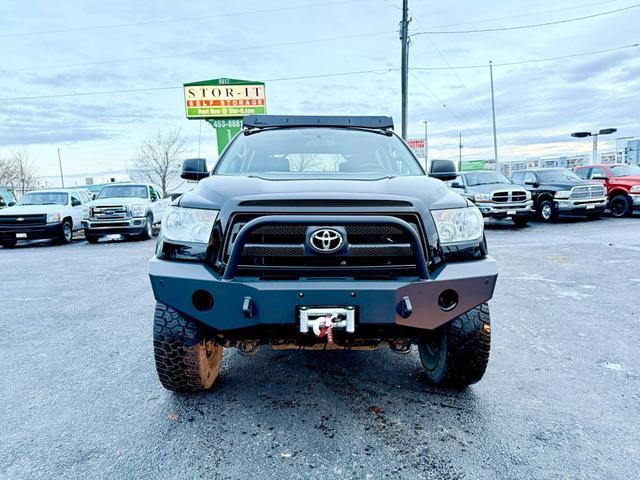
<point x="21" y="235"/>
<point x="511" y="212"/>
<point x="590" y="207"/>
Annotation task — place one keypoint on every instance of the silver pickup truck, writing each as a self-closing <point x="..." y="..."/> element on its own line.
<point x="495" y="195"/>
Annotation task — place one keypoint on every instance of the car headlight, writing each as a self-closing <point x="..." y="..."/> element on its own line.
<point x="562" y="194"/>
<point x="85" y="213"/>
<point x="528" y="195"/>
<point x="53" y="217"/>
<point x="635" y="189"/>
<point x="138" y="210"/>
<point x="188" y="224"/>
<point x="458" y="224"/>
<point x="482" y="197"/>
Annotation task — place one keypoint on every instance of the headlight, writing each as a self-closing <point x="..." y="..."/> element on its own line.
<point x="458" y="224"/>
<point x="528" y="195"/>
<point x="85" y="213"/>
<point x="562" y="194"/>
<point x="53" y="217"/>
<point x="188" y="224"/>
<point x="635" y="189"/>
<point x="482" y="197"/>
<point x="138" y="210"/>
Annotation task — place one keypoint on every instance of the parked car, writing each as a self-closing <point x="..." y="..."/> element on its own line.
<point x="495" y="195"/>
<point x="7" y="199"/>
<point x="559" y="191"/>
<point x="129" y="209"/>
<point x="622" y="182"/>
<point x="42" y="214"/>
<point x="320" y="233"/>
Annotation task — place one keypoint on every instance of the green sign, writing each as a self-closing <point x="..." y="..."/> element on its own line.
<point x="473" y="165"/>
<point x="223" y="102"/>
<point x="226" y="129"/>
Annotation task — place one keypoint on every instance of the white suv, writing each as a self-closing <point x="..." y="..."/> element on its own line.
<point x="43" y="214"/>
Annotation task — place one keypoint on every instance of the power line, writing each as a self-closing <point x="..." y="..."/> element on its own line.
<point x="153" y="89"/>
<point x="172" y="20"/>
<point x="520" y="27"/>
<point x="534" y="60"/>
<point x="203" y="52"/>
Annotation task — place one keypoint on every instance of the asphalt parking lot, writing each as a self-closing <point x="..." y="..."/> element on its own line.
<point x="561" y="398"/>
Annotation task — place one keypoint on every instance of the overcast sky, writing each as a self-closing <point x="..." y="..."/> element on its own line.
<point x="64" y="47"/>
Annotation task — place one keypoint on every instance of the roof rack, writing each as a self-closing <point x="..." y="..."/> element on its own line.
<point x="280" y="121"/>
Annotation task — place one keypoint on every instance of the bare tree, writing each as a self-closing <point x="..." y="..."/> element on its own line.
<point x="158" y="157"/>
<point x="18" y="171"/>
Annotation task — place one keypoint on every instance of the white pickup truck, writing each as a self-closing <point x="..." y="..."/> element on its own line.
<point x="43" y="214"/>
<point x="129" y="209"/>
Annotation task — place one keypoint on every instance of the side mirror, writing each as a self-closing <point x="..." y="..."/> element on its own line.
<point x="443" y="170"/>
<point x="11" y="204"/>
<point x="532" y="184"/>
<point x="598" y="177"/>
<point x="75" y="203"/>
<point x="457" y="185"/>
<point x="194" y="169"/>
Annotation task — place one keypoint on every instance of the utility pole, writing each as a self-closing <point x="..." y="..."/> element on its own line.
<point x="460" y="153"/>
<point x="426" y="146"/>
<point x="404" y="83"/>
<point x="493" y="110"/>
<point x="60" y="163"/>
<point x="595" y="148"/>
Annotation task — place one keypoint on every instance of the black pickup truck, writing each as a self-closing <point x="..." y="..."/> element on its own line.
<point x="320" y="233"/>
<point x="559" y="191"/>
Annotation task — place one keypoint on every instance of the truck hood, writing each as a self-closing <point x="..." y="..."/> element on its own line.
<point x="117" y="201"/>
<point x="214" y="192"/>
<point x="630" y="180"/>
<point x="31" y="209"/>
<point x="568" y="185"/>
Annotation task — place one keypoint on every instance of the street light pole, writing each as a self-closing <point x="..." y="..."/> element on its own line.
<point x="60" y="163"/>
<point x="594" y="154"/>
<point x="460" y="153"/>
<point x="493" y="111"/>
<point x="603" y="131"/>
<point x="426" y="147"/>
<point x="404" y="81"/>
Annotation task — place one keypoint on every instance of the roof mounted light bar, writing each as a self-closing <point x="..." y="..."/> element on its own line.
<point x="283" y="121"/>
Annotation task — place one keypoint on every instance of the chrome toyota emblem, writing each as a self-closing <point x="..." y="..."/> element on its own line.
<point x="326" y="240"/>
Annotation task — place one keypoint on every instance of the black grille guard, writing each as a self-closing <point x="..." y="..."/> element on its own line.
<point x="329" y="220"/>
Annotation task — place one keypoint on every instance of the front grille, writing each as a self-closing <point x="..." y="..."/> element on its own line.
<point x="109" y="212"/>
<point x="279" y="250"/>
<point x="508" y="196"/>
<point x="588" y="191"/>
<point x="22" y="220"/>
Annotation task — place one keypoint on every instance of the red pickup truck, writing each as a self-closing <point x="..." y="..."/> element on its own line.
<point x="622" y="182"/>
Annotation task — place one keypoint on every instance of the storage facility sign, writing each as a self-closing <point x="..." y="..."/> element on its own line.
<point x="469" y="165"/>
<point x="417" y="145"/>
<point x="224" y="98"/>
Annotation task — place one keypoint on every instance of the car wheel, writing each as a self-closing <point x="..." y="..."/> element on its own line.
<point x="187" y="360"/>
<point x="66" y="235"/>
<point x="620" y="206"/>
<point x="547" y="211"/>
<point x="520" y="221"/>
<point x="147" y="233"/>
<point x="92" y="238"/>
<point x="457" y="354"/>
<point x="8" y="243"/>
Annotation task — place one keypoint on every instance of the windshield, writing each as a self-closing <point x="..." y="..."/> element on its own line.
<point x="132" y="191"/>
<point x="318" y="152"/>
<point x="485" y="178"/>
<point x="44" y="198"/>
<point x="550" y="176"/>
<point x="625" y="171"/>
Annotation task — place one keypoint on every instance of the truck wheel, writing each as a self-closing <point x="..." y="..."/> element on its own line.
<point x="620" y="206"/>
<point x="186" y="359"/>
<point x="92" y="238"/>
<point x="147" y="233"/>
<point x="8" y="243"/>
<point x="66" y="235"/>
<point x="520" y="221"/>
<point x="458" y="352"/>
<point x="547" y="211"/>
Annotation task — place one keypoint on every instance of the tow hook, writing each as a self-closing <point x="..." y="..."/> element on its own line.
<point x="400" y="346"/>
<point x="249" y="348"/>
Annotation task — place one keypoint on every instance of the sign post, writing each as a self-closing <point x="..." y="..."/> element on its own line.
<point x="222" y="102"/>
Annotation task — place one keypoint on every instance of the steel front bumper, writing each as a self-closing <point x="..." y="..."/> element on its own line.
<point x="276" y="302"/>
<point x="635" y="200"/>
<point x="581" y="206"/>
<point x="501" y="210"/>
<point x="132" y="226"/>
